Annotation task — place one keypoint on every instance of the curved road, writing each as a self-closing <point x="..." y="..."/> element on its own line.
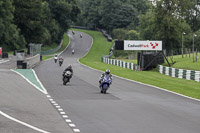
<point x="128" y="107"/>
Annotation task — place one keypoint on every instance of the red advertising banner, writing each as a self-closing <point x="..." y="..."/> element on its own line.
<point x="0" y="50"/>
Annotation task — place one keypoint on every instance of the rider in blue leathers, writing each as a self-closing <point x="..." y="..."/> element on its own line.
<point x="106" y="73"/>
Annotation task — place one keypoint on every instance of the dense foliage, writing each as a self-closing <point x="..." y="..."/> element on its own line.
<point x="45" y="21"/>
<point x="35" y="21"/>
<point x="164" y="20"/>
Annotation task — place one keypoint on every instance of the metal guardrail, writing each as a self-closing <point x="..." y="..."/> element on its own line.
<point x="180" y="73"/>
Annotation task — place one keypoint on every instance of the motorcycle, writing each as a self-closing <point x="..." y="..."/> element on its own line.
<point x="66" y="77"/>
<point x="105" y="84"/>
<point x="60" y="62"/>
<point x="73" y="51"/>
<point x="81" y="35"/>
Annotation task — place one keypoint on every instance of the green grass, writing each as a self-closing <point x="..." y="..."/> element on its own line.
<point x="185" y="63"/>
<point x="130" y="61"/>
<point x="46" y="57"/>
<point x="101" y="47"/>
<point x="65" y="44"/>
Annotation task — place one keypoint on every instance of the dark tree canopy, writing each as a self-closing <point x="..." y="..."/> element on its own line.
<point x="35" y="21"/>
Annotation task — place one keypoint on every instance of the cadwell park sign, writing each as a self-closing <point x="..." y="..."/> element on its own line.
<point x="138" y="45"/>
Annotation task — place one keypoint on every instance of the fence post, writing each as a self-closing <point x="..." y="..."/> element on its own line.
<point x="167" y="71"/>
<point x="189" y="52"/>
<point x="180" y="73"/>
<point x="188" y="74"/>
<point x="186" y="52"/>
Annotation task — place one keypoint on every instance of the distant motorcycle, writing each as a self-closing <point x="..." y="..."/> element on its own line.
<point x="60" y="62"/>
<point x="81" y="35"/>
<point x="105" y="84"/>
<point x="66" y="77"/>
<point x="73" y="51"/>
<point x="55" y="58"/>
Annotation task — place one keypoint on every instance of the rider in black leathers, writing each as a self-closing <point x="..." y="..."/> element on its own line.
<point x="69" y="68"/>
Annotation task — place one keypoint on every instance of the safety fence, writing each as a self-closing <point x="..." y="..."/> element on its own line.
<point x="48" y="52"/>
<point x="180" y="73"/>
<point x="119" y="63"/>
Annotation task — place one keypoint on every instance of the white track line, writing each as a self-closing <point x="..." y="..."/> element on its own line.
<point x="43" y="91"/>
<point x="4" y="61"/>
<point x="23" y="123"/>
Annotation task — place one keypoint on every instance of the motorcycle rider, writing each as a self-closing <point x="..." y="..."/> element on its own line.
<point x="55" y="58"/>
<point x="72" y="51"/>
<point x="69" y="68"/>
<point x="106" y="73"/>
<point x="60" y="60"/>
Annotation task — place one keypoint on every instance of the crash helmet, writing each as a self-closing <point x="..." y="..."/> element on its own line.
<point x="70" y="66"/>
<point x="107" y="71"/>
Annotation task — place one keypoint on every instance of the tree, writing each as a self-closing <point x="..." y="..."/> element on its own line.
<point x="28" y="17"/>
<point x="192" y="14"/>
<point x="164" y="21"/>
<point x="10" y="38"/>
<point x="147" y="25"/>
<point x="120" y="34"/>
<point x="133" y="35"/>
<point x="92" y="12"/>
<point x="116" y="14"/>
<point x="64" y="12"/>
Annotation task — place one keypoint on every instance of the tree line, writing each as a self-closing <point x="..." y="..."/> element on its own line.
<point x="166" y="20"/>
<point x="35" y="21"/>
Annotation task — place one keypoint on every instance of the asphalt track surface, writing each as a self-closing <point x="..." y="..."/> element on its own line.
<point x="24" y="103"/>
<point x="128" y="107"/>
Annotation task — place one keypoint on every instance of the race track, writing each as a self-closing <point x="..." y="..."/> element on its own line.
<point x="128" y="107"/>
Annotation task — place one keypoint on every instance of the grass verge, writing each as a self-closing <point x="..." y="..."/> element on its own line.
<point x="185" y="63"/>
<point x="101" y="47"/>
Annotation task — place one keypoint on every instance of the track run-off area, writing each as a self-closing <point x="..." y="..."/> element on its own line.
<point x="128" y="107"/>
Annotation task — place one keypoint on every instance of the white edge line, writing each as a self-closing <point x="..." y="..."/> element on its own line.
<point x="45" y="91"/>
<point x="76" y="130"/>
<point x="4" y="61"/>
<point x="138" y="81"/>
<point x="29" y="81"/>
<point x="146" y="84"/>
<point x="23" y="123"/>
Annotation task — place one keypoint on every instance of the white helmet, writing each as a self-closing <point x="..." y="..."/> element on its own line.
<point x="107" y="71"/>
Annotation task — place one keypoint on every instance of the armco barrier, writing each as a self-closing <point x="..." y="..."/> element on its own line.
<point x="180" y="73"/>
<point x="32" y="61"/>
<point x="119" y="63"/>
